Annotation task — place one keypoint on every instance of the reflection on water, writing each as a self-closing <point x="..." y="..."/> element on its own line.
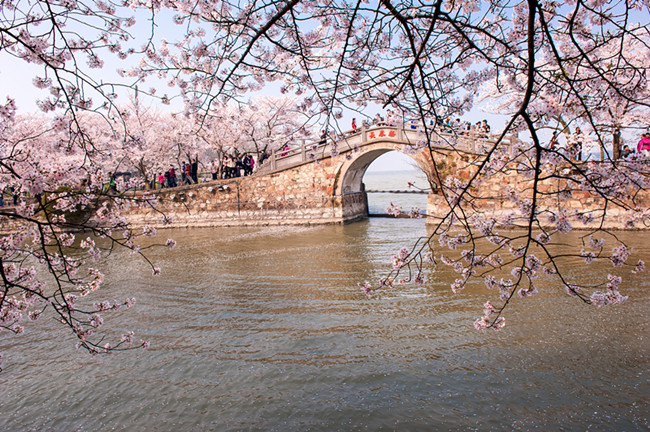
<point x="266" y="329"/>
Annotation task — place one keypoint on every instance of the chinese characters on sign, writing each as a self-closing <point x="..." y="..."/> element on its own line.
<point x="382" y="134"/>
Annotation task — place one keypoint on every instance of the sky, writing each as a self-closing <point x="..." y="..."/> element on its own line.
<point x="16" y="82"/>
<point x="392" y="161"/>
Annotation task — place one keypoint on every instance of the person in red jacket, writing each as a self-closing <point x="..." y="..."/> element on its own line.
<point x="172" y="177"/>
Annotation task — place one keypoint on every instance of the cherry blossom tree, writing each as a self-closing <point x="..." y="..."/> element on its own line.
<point x="584" y="59"/>
<point x="270" y="123"/>
<point x="61" y="194"/>
<point x="147" y="145"/>
<point x="58" y="165"/>
<point x="601" y="100"/>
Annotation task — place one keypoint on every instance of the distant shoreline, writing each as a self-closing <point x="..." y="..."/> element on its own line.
<point x="383" y="171"/>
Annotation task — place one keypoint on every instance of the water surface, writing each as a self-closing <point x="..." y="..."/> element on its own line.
<point x="265" y="329"/>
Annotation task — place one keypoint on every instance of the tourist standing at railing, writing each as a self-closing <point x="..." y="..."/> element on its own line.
<point x="626" y="152"/>
<point x="194" y="169"/>
<point x="183" y="172"/>
<point x="378" y="119"/>
<point x="577" y="139"/>
<point x="354" y="125"/>
<point x="214" y="170"/>
<point x="239" y="165"/>
<point x="323" y="139"/>
<point x="263" y="156"/>
<point x="486" y="127"/>
<point x="186" y="173"/>
<point x="172" y="177"/>
<point x="244" y="165"/>
<point x="247" y="164"/>
<point x="643" y="147"/>
<point x="467" y="128"/>
<point x="390" y="118"/>
<point x="232" y="166"/>
<point x="226" y="167"/>
<point x="448" y="125"/>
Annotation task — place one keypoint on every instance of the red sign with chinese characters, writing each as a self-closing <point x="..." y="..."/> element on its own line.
<point x="381" y="134"/>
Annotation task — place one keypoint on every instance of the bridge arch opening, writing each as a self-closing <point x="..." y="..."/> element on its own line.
<point x="368" y="191"/>
<point x="395" y="179"/>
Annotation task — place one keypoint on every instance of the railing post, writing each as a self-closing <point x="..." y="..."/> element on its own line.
<point x="273" y="161"/>
<point x="303" y="150"/>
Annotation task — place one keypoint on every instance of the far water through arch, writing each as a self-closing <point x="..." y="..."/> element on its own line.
<point x="393" y="171"/>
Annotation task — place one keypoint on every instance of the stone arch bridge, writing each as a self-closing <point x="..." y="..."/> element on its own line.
<point x="311" y="183"/>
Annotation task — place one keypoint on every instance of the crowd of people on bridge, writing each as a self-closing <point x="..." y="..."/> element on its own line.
<point x="236" y="165"/>
<point x="189" y="174"/>
<point x="642" y="149"/>
<point x="480" y="128"/>
<point x="230" y="166"/>
<point x="580" y="148"/>
<point x="578" y="145"/>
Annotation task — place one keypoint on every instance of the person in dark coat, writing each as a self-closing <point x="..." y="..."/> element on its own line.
<point x="194" y="169"/>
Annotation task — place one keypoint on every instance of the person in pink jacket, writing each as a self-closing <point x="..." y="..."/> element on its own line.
<point x="644" y="145"/>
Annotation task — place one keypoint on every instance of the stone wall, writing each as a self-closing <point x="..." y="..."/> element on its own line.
<point x="330" y="190"/>
<point x="554" y="195"/>
<point x="302" y="195"/>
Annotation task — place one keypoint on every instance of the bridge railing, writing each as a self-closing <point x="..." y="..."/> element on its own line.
<point x="310" y="150"/>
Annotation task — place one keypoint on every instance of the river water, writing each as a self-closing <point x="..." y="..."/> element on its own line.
<point x="266" y="329"/>
<point x="396" y="181"/>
